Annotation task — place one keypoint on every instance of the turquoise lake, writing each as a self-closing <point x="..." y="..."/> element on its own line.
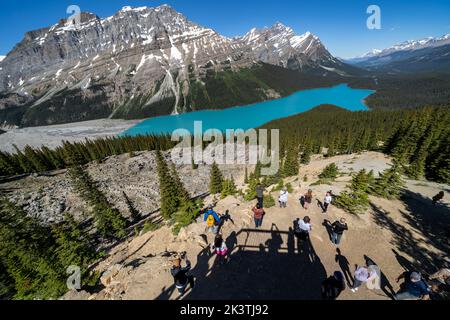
<point x="255" y="115"/>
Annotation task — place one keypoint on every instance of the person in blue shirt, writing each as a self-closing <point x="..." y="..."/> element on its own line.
<point x="212" y="225"/>
<point x="414" y="287"/>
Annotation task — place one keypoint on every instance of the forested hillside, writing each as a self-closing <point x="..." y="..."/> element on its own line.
<point x="419" y="138"/>
<point x="405" y="91"/>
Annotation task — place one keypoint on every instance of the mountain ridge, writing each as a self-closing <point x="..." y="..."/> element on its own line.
<point x="141" y="62"/>
<point x="400" y="51"/>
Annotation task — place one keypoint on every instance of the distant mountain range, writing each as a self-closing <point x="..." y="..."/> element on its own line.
<point x="145" y="62"/>
<point x="426" y="55"/>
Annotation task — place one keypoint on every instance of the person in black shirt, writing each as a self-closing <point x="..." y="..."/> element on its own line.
<point x="414" y="287"/>
<point x="224" y="218"/>
<point x="260" y="194"/>
<point x="333" y="286"/>
<point x="180" y="276"/>
<point x="338" y="230"/>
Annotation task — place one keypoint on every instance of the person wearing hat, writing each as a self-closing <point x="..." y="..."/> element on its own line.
<point x="414" y="287"/>
<point x="180" y="277"/>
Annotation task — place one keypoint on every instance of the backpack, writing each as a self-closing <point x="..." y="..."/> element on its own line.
<point x="210" y="221"/>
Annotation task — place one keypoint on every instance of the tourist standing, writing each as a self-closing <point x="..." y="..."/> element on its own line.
<point x="327" y="201"/>
<point x="212" y="220"/>
<point x="260" y="194"/>
<point x="283" y="199"/>
<point x="220" y="248"/>
<point x="258" y="214"/>
<point x="302" y="230"/>
<point x="338" y="229"/>
<point x="308" y="198"/>
<point x="181" y="277"/>
<point x="362" y="276"/>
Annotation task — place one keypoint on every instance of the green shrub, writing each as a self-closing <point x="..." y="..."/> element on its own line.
<point x="150" y="226"/>
<point x="269" y="201"/>
<point x="186" y="215"/>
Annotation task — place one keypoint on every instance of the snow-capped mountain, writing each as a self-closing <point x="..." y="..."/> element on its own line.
<point x="383" y="56"/>
<point x="140" y="62"/>
<point x="2" y="58"/>
<point x="279" y="45"/>
<point x="417" y="44"/>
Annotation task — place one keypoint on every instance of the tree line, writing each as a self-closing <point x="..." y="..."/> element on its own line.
<point x="35" y="160"/>
<point x="417" y="138"/>
<point x="34" y="258"/>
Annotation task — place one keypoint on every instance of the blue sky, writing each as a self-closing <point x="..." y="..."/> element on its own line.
<point x="341" y="24"/>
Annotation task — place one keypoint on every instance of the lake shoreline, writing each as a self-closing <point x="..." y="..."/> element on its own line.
<point x="53" y="136"/>
<point x="342" y="95"/>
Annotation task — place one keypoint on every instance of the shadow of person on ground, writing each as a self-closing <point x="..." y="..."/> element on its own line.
<point x="262" y="266"/>
<point x="403" y="262"/>
<point x="327" y="224"/>
<point x="320" y="205"/>
<point x="385" y="285"/>
<point x="425" y="219"/>
<point x="344" y="264"/>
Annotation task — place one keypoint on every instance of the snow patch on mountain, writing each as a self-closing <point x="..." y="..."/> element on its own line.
<point x="407" y="46"/>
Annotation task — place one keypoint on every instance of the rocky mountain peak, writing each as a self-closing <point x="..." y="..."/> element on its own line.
<point x="156" y="53"/>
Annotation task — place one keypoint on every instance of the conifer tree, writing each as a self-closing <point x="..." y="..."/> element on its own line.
<point x="39" y="164"/>
<point x="186" y="214"/>
<point x="291" y="165"/>
<point x="250" y="193"/>
<point x="26" y="255"/>
<point x="416" y="170"/>
<point x="331" y="149"/>
<point x="167" y="188"/>
<point x="216" y="180"/>
<point x="180" y="190"/>
<point x="306" y="155"/>
<point x="438" y="167"/>
<point x="330" y="172"/>
<point x="257" y="172"/>
<point x="390" y="183"/>
<point x="109" y="221"/>
<point x="357" y="199"/>
<point x="228" y="188"/>
<point x="74" y="246"/>
<point x="23" y="162"/>
<point x="134" y="213"/>
<point x="7" y="167"/>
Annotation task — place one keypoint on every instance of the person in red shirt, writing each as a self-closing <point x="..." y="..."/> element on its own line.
<point x="258" y="213"/>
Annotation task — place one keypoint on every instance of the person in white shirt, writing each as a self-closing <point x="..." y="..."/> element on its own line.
<point x="327" y="201"/>
<point x="302" y="229"/>
<point x="283" y="199"/>
<point x="362" y="276"/>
